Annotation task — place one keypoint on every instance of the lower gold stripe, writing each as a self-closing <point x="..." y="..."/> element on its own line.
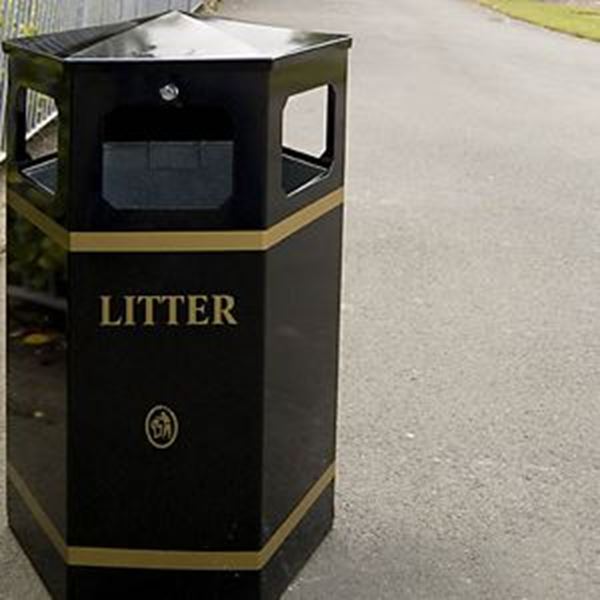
<point x="164" y="560"/>
<point x="38" y="513"/>
<point x="175" y="241"/>
<point x="286" y="528"/>
<point x="171" y="559"/>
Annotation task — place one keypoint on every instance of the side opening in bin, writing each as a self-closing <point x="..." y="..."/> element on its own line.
<point x="167" y="158"/>
<point x="307" y="134"/>
<point x="38" y="160"/>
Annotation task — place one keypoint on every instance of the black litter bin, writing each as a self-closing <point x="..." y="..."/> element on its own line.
<point x="173" y="308"/>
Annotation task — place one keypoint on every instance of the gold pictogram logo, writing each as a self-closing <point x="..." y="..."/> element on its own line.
<point x="162" y="427"/>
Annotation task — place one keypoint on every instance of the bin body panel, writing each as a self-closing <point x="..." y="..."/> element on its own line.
<point x="37" y="396"/>
<point x="46" y="560"/>
<point x="200" y="493"/>
<point x="301" y="352"/>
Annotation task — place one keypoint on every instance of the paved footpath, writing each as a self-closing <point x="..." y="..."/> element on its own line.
<point x="469" y="439"/>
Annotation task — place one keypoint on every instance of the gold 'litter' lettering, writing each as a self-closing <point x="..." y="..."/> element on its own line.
<point x="150" y="310"/>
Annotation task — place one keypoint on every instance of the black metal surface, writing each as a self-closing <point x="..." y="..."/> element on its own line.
<point x="64" y="43"/>
<point x="256" y="402"/>
<point x="37" y="401"/>
<point x="177" y="36"/>
<point x="302" y="293"/>
<point x="37" y="391"/>
<point x="204" y="492"/>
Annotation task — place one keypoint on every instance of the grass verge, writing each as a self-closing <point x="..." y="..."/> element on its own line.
<point x="582" y="22"/>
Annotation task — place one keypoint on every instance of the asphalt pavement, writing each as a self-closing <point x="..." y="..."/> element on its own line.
<point x="469" y="454"/>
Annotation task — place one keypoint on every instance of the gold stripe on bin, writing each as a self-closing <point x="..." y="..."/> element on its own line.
<point x="126" y="558"/>
<point x="38" y="513"/>
<point x="57" y="233"/>
<point x="175" y="241"/>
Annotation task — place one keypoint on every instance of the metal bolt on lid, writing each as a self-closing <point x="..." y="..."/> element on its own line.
<point x="169" y="92"/>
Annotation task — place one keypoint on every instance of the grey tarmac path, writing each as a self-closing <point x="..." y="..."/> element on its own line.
<point x="469" y="454"/>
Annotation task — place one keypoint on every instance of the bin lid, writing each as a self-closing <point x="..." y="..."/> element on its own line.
<point x="176" y="36"/>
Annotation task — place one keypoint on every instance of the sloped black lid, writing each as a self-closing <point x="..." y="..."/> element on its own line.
<point x="174" y="36"/>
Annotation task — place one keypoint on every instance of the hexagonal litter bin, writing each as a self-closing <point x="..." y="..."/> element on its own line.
<point x="173" y="308"/>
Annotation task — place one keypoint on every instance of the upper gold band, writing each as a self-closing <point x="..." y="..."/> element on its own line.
<point x="174" y="241"/>
<point x="169" y="559"/>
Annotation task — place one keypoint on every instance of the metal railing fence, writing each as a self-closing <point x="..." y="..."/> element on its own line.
<point x="33" y="17"/>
